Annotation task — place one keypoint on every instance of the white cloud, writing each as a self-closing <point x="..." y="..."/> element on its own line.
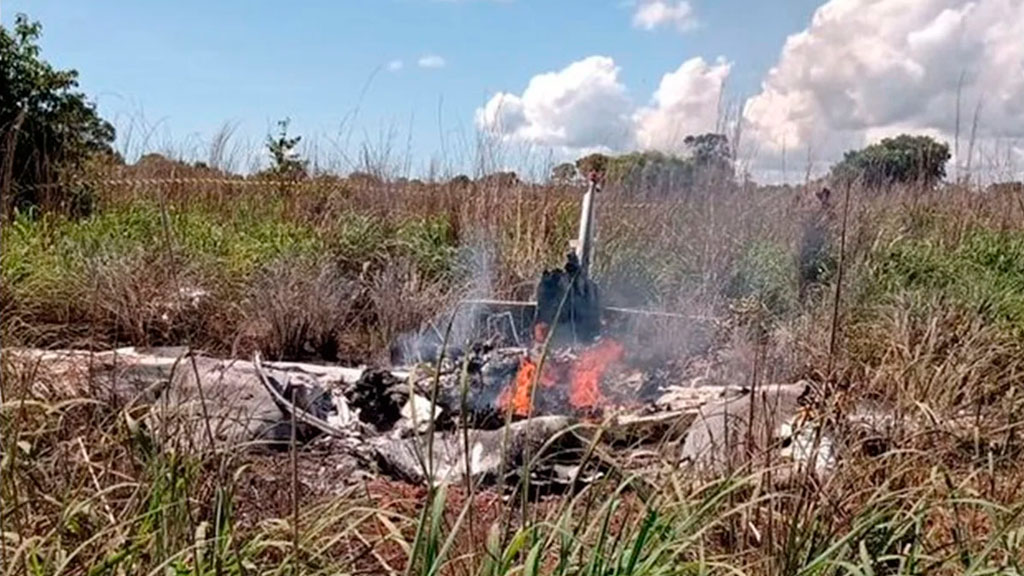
<point x="431" y="61"/>
<point x="581" y="106"/>
<point x="651" y="14"/>
<point x="395" y="65"/>
<point x="862" y="70"/>
<point x="869" y="68"/>
<point x="585" y="107"/>
<point x="687" y="102"/>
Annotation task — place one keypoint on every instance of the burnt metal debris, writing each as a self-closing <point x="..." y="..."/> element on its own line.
<point x="186" y="401"/>
<point x="493" y="408"/>
<point x="568" y="304"/>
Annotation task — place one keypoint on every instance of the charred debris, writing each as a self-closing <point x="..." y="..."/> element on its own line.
<point x="533" y="394"/>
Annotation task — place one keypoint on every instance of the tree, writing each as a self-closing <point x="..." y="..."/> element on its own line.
<point x="595" y="163"/>
<point x="712" y="158"/>
<point x="286" y="161"/>
<point x="362" y="178"/>
<point x="564" y="173"/>
<point x="904" y="159"/>
<point x="651" y="172"/>
<point x="49" y="131"/>
<point x="499" y="180"/>
<point x="708" y="162"/>
<point x="460" y="181"/>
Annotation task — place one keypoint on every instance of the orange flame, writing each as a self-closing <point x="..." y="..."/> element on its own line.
<point x="585" y="387"/>
<point x="584" y="381"/>
<point x="518" y="396"/>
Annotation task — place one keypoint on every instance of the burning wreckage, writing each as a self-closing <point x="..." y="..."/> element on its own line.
<point x="556" y="402"/>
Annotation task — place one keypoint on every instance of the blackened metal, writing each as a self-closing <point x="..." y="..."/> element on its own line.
<point x="580" y="317"/>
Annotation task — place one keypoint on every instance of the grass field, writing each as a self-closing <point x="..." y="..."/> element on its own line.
<point x="930" y="324"/>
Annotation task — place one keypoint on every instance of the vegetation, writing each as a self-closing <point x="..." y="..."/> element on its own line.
<point x="932" y="321"/>
<point x="905" y="159"/>
<point x="284" y="156"/>
<point x="50" y="130"/>
<point x="928" y="324"/>
<point x="707" y="163"/>
<point x="564" y="173"/>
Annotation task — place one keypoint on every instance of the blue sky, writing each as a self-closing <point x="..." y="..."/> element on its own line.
<point x="188" y="66"/>
<point x="191" y="65"/>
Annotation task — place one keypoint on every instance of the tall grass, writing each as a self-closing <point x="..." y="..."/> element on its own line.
<point x="930" y="329"/>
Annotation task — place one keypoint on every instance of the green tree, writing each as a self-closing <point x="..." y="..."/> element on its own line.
<point x="647" y="173"/>
<point x="49" y="131"/>
<point x="460" y="181"/>
<point x="564" y="173"/>
<point x="499" y="180"/>
<point x="595" y="163"/>
<point x="904" y="159"/>
<point x="708" y="163"/>
<point x="286" y="163"/>
<point x="712" y="158"/>
<point x="651" y="173"/>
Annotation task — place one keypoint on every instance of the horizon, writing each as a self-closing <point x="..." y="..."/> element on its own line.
<point x="800" y="84"/>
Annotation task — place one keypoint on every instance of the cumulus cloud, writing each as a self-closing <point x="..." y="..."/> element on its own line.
<point x="395" y="65"/>
<point x="868" y="68"/>
<point x="586" y="107"/>
<point x="687" y="101"/>
<point x="651" y="14"/>
<point x="583" y="105"/>
<point x="861" y="71"/>
<point x="431" y="61"/>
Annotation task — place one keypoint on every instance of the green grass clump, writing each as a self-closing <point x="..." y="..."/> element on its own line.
<point x="44" y="253"/>
<point x="356" y="238"/>
<point x="430" y="242"/>
<point x="983" y="272"/>
<point x="765" y="271"/>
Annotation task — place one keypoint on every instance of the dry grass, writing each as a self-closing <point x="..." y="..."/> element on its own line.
<point x="930" y="327"/>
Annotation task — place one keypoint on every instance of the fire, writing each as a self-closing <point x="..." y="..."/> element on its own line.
<point x="582" y="375"/>
<point x="585" y="387"/>
<point x="518" y="396"/>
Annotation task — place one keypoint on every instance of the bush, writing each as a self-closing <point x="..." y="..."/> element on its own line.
<point x="904" y="159"/>
<point x="430" y="243"/>
<point x="301" y="309"/>
<point x="358" y="238"/>
<point x="49" y="132"/>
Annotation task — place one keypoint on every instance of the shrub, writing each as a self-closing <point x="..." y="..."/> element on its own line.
<point x="300" y="308"/>
<point x="48" y="130"/>
<point x="904" y="159"/>
<point x="358" y="238"/>
<point x="286" y="161"/>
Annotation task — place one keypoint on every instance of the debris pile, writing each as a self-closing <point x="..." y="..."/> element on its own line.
<point x="417" y="426"/>
<point x="489" y="411"/>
